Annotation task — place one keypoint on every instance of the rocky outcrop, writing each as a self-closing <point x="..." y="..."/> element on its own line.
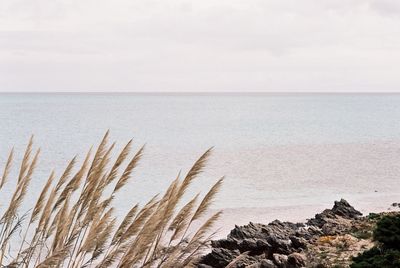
<point x="336" y="220"/>
<point x="277" y="244"/>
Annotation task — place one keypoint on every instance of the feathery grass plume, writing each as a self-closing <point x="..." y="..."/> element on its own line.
<point x="38" y="207"/>
<point x="101" y="241"/>
<point x="64" y="177"/>
<point x="125" y="223"/>
<point x="93" y="185"/>
<point x="194" y="257"/>
<point x="121" y="158"/>
<point x="127" y="172"/>
<point x="100" y="151"/>
<point x="139" y="220"/>
<point x="54" y="223"/>
<point x="46" y="213"/>
<point x="20" y="190"/>
<point x="22" y="187"/>
<point x="32" y="166"/>
<point x="7" y="168"/>
<point x="111" y="258"/>
<point x="54" y="260"/>
<point x="84" y="235"/>
<point x="25" y="159"/>
<point x="74" y="183"/>
<point x="169" y="203"/>
<point x="97" y="228"/>
<point x="62" y="221"/>
<point x="196" y="169"/>
<point x="207" y="200"/>
<point x="182" y="218"/>
<point x="40" y="202"/>
<point x="205" y="227"/>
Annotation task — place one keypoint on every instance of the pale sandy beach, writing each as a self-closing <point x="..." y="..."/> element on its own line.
<point x="295" y="182"/>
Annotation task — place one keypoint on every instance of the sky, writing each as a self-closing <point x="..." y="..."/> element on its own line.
<point x="203" y="45"/>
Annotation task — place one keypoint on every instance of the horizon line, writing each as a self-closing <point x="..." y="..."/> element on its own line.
<point x="200" y="92"/>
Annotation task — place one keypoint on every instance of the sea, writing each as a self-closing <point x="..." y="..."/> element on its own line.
<point x="285" y="156"/>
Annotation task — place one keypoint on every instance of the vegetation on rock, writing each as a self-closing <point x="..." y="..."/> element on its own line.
<point x="387" y="252"/>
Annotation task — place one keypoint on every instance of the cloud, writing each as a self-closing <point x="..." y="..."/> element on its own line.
<point x="154" y="45"/>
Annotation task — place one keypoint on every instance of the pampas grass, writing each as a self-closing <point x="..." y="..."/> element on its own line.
<point x="72" y="223"/>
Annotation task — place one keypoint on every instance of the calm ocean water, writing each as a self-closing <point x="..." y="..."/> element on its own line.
<point x="275" y="150"/>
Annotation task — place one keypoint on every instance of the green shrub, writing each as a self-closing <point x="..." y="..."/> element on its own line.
<point x="373" y="216"/>
<point x="376" y="257"/>
<point x="387" y="232"/>
<point x="387" y="255"/>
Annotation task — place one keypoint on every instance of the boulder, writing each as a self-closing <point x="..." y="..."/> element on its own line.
<point x="280" y="260"/>
<point x="296" y="260"/>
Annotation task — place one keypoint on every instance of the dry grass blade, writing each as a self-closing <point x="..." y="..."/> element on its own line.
<point x="40" y="202"/>
<point x="124" y="224"/>
<point x="55" y="259"/>
<point x="196" y="169"/>
<point x="25" y="160"/>
<point x="100" y="152"/>
<point x="101" y="240"/>
<point x="64" y="177"/>
<point x="139" y="220"/>
<point x="21" y="190"/>
<point x="205" y="227"/>
<point x="121" y="158"/>
<point x="127" y="172"/>
<point x="74" y="183"/>
<point x="111" y="258"/>
<point x="46" y="213"/>
<point x="207" y="200"/>
<point x="7" y="168"/>
<point x="32" y="166"/>
<point x="95" y="230"/>
<point x="61" y="226"/>
<point x="182" y="218"/>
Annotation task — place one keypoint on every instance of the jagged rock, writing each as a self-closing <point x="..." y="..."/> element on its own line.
<point x="344" y="209"/>
<point x="282" y="246"/>
<point x="336" y="226"/>
<point x="278" y="244"/>
<point x="280" y="260"/>
<point x="267" y="264"/>
<point x="296" y="260"/>
<point x="220" y="257"/>
<point x="263" y="264"/>
<point x="244" y="261"/>
<point x="312" y="231"/>
<point x="340" y="209"/>
<point x="336" y="220"/>
<point x="298" y="242"/>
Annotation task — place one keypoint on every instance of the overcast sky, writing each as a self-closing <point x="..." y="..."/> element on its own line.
<point x="203" y="45"/>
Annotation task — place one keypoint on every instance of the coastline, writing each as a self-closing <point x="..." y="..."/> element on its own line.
<point x="330" y="238"/>
<point x="243" y="216"/>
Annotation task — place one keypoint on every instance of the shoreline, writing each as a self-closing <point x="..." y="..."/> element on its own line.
<point x="330" y="238"/>
<point x="232" y="217"/>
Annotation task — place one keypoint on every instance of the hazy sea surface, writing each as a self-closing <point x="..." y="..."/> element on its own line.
<point x="283" y="155"/>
